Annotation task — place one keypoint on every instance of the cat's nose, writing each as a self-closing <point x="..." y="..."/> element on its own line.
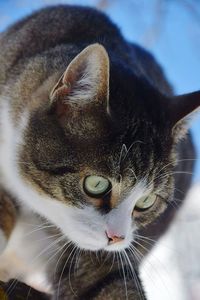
<point x="113" y="238"/>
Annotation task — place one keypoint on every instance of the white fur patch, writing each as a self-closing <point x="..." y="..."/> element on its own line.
<point x="86" y="87"/>
<point x="172" y="270"/>
<point x="29" y="254"/>
<point x="3" y="241"/>
<point x="119" y="221"/>
<point x="160" y="275"/>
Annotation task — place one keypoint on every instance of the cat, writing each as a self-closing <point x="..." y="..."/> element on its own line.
<point x="94" y="151"/>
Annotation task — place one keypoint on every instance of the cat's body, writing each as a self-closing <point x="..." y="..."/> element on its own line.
<point x="111" y="114"/>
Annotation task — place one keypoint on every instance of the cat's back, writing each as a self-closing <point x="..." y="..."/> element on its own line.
<point x="61" y="24"/>
<point x="49" y="39"/>
<point x="50" y="28"/>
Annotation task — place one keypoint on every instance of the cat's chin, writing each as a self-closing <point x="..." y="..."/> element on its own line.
<point x="120" y="246"/>
<point x="110" y="248"/>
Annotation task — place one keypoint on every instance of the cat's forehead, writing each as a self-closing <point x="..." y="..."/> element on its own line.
<point x="135" y="143"/>
<point x="129" y="158"/>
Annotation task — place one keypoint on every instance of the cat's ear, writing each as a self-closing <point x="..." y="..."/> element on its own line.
<point x="84" y="84"/>
<point x="182" y="109"/>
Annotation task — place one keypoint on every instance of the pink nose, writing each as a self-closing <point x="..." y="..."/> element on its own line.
<point x="113" y="239"/>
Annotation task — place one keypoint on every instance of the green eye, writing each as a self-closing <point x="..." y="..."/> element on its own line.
<point x="96" y="186"/>
<point x="145" y="202"/>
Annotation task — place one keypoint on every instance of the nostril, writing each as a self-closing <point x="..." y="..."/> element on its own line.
<point x="112" y="239"/>
<point x="109" y="240"/>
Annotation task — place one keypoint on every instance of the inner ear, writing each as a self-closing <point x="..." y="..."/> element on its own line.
<point x="182" y="109"/>
<point x="85" y="81"/>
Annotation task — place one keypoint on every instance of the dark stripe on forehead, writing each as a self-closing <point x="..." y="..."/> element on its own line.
<point x="57" y="170"/>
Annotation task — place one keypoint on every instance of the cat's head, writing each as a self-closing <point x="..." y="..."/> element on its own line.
<point x="99" y="151"/>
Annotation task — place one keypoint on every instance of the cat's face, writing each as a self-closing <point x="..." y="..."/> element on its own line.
<point x="101" y="166"/>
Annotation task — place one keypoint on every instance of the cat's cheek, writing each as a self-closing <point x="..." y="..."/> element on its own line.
<point x="85" y="228"/>
<point x="89" y="240"/>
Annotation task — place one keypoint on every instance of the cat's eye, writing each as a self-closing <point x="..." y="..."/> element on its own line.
<point x="96" y="186"/>
<point x="145" y="202"/>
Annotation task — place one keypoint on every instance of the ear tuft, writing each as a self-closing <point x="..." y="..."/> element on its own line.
<point x="86" y="79"/>
<point x="80" y="97"/>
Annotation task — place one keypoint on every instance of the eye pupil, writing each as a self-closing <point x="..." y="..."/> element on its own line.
<point x="145" y="202"/>
<point x="96" y="186"/>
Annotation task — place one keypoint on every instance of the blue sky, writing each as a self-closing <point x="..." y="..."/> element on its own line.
<point x="171" y="32"/>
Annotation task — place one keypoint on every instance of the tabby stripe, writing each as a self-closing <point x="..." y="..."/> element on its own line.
<point x="43" y="188"/>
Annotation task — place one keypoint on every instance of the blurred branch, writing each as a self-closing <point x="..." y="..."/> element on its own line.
<point x="193" y="7"/>
<point x="153" y="33"/>
<point x="103" y="4"/>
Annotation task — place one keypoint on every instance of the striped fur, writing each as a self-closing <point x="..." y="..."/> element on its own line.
<point x="77" y="99"/>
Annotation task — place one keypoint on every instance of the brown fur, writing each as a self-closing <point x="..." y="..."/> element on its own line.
<point x="7" y="213"/>
<point x="67" y="140"/>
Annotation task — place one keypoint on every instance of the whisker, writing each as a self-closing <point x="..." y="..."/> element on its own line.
<point x="78" y="256"/>
<point x="110" y="190"/>
<point x="145" y="241"/>
<point x="65" y="264"/>
<point x="113" y="261"/>
<point x="15" y="282"/>
<point x="29" y="292"/>
<point x="132" y="173"/>
<point x="177" y="161"/>
<point x="138" y="254"/>
<point x="70" y="284"/>
<point x="146" y="238"/>
<point x="152" y="242"/>
<point x="124" y="276"/>
<point x="170" y="173"/>
<point x="48" y="237"/>
<point x="128" y="150"/>
<point x="38" y="229"/>
<point x="68" y="244"/>
<point x="123" y="149"/>
<point x="120" y="184"/>
<point x="34" y="224"/>
<point x="47" y="248"/>
<point x="11" y="287"/>
<point x="104" y="261"/>
<point x="152" y="265"/>
<point x="134" y="275"/>
<point x="57" y="250"/>
<point x="134" y="252"/>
